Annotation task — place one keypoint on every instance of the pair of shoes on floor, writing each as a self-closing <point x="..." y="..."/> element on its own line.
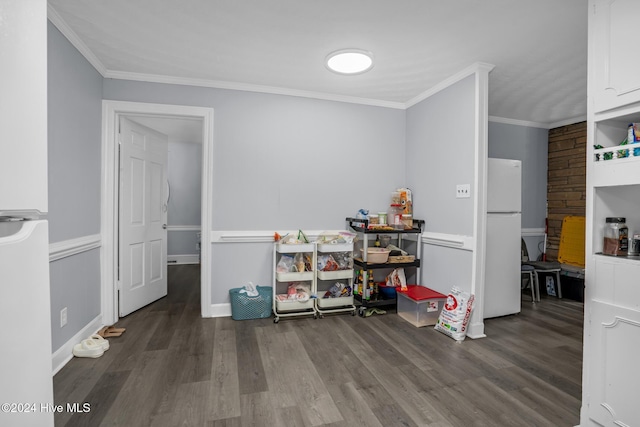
<point x="93" y="347"/>
<point x="374" y="310"/>
<point x="111" y="331"/>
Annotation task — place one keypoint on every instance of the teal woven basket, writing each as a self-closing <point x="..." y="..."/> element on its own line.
<point x="244" y="307"/>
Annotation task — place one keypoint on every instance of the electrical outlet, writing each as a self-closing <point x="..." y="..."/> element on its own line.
<point x="63" y="317"/>
<point x="463" y="191"/>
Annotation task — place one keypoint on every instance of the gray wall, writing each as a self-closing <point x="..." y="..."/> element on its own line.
<point x="75" y="108"/>
<point x="184" y="173"/>
<point x="74" y="121"/>
<point x="440" y="155"/>
<point x="284" y="163"/>
<point x="529" y="145"/>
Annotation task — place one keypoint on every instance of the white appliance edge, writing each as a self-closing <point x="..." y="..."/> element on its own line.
<point x="25" y="360"/>
<point x="25" y="368"/>
<point x="504" y="228"/>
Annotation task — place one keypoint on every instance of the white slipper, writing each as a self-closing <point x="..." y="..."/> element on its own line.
<point x="99" y="339"/>
<point x="88" y="348"/>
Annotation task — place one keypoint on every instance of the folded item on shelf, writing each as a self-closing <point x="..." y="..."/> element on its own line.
<point x="335" y="237"/>
<point x="294" y="239"/>
<point x="297" y="263"/>
<point x="396" y="249"/>
<point x="285" y="263"/>
<point x="296" y="291"/>
<point x="327" y="263"/>
<point x="338" y="290"/>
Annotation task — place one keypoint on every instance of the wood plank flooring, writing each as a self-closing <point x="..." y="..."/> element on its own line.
<point x="173" y="368"/>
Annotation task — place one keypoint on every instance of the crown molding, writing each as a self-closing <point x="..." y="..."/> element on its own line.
<point x="73" y="38"/>
<point x="516" y="122"/>
<point x="568" y="122"/>
<point x="472" y="69"/>
<point x="247" y="87"/>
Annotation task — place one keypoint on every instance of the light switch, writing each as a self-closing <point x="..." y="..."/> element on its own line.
<point x="463" y="191"/>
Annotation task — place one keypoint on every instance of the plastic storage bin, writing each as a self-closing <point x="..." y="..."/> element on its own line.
<point x="420" y="306"/>
<point x="244" y="307"/>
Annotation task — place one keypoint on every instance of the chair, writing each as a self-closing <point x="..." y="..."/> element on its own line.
<point x="541" y="267"/>
<point x="530" y="272"/>
<point x="571" y="254"/>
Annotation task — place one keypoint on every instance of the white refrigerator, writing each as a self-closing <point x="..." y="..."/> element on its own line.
<point x="26" y="382"/>
<point x="504" y="224"/>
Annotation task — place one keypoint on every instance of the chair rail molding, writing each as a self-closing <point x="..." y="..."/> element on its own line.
<point x="67" y="248"/>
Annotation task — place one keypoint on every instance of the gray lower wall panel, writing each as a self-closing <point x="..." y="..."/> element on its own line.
<point x="75" y="284"/>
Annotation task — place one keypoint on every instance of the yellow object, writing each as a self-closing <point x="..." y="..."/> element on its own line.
<point x="571" y="249"/>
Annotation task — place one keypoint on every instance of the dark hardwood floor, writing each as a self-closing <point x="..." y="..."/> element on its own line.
<point x="173" y="368"/>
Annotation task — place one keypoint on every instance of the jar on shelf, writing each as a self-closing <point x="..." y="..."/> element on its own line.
<point x="407" y="220"/>
<point x="395" y="216"/>
<point x="634" y="245"/>
<point x="374" y="219"/>
<point x="616" y="237"/>
<point x="382" y="218"/>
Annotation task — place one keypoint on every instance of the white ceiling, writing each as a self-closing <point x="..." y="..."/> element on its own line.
<point x="538" y="47"/>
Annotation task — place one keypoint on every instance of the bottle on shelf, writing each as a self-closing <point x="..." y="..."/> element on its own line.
<point x="395" y="216"/>
<point x="355" y="283"/>
<point x="377" y="242"/>
<point x="372" y="286"/>
<point x="616" y="241"/>
<point x="366" y="289"/>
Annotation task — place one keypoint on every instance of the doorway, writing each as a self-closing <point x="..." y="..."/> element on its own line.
<point x="112" y="111"/>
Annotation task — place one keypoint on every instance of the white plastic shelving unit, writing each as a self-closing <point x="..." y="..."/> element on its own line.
<point x="282" y="280"/>
<point x="326" y="279"/>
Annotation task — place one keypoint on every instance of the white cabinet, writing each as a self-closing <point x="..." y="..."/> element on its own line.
<point x="613" y="386"/>
<point x="612" y="294"/>
<point x="613" y="55"/>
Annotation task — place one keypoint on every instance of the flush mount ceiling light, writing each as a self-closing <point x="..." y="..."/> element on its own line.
<point x="349" y="61"/>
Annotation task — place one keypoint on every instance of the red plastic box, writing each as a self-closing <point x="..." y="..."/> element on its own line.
<point x="420" y="305"/>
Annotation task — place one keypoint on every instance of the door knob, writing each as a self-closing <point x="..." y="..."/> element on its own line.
<point x="164" y="226"/>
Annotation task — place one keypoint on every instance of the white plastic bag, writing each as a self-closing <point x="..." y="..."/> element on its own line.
<point x="250" y="290"/>
<point x="397" y="279"/>
<point x="454" y="317"/>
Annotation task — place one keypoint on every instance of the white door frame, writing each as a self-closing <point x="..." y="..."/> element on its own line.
<point x="111" y="111"/>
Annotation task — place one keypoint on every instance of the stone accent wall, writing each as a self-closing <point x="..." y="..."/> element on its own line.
<point x="566" y="179"/>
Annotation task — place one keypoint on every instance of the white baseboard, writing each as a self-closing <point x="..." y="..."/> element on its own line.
<point x="476" y="330"/>
<point x="220" y="310"/>
<point x="64" y="354"/>
<point x="183" y="259"/>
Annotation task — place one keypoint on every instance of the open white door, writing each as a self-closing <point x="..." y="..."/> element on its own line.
<point x="143" y="216"/>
